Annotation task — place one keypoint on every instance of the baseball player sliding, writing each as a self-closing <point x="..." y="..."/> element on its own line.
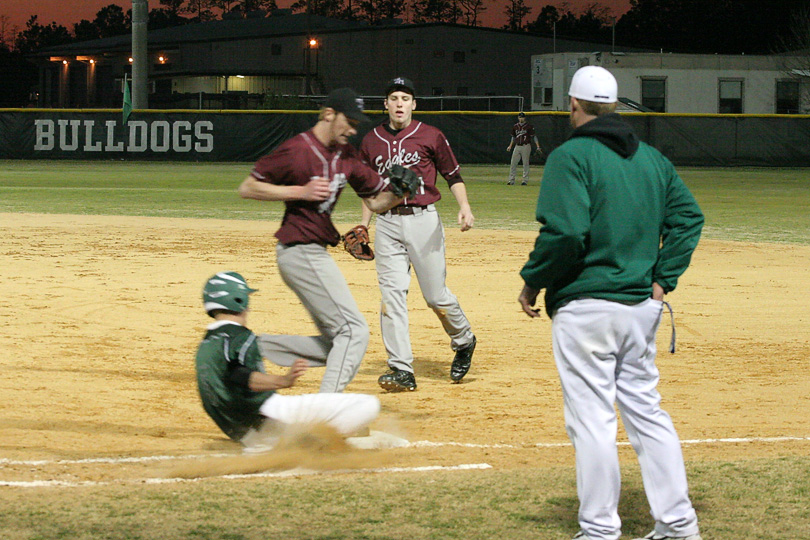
<point x="411" y="234"/>
<point x="308" y="172"/>
<point x="237" y="393"/>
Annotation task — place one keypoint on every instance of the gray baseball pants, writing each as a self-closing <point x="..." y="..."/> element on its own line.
<point x="521" y="152"/>
<point x="416" y="240"/>
<point x="312" y="274"/>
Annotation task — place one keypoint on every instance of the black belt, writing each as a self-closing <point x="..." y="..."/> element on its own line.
<point x="406" y="210"/>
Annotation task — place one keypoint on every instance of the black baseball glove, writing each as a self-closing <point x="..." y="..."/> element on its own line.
<point x="404" y="182"/>
<point x="356" y="242"/>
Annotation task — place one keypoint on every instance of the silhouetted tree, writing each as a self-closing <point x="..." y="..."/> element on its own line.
<point x="37" y="36"/>
<point x="164" y="18"/>
<point x="516" y="11"/>
<point x="375" y="11"/>
<point x="434" y="11"/>
<point x="112" y="21"/>
<point x="471" y="10"/>
<point x="337" y="9"/>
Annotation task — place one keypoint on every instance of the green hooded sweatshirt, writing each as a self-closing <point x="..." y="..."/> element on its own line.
<point x="615" y="218"/>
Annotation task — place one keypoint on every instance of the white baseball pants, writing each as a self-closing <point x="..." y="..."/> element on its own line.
<point x="346" y="413"/>
<point x="605" y="353"/>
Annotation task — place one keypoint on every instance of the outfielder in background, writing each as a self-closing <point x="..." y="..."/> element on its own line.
<point x="308" y="172"/>
<point x="618" y="229"/>
<point x="522" y="137"/>
<point x="237" y="393"/>
<point x="411" y="234"/>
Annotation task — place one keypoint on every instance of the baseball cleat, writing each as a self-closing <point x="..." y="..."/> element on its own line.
<point x="524" y="183"/>
<point x="462" y="361"/>
<point x="655" y="536"/>
<point x="510" y="183"/>
<point x="397" y="380"/>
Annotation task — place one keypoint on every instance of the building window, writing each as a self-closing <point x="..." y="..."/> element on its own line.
<point x="654" y="94"/>
<point x="787" y="97"/>
<point x="543" y="95"/>
<point x="730" y="94"/>
<point x="458" y="57"/>
<point x="275" y="49"/>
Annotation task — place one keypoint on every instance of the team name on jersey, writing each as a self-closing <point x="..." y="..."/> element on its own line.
<point x="403" y="157"/>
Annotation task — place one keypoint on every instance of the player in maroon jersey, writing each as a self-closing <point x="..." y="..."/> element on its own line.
<point x="411" y="234"/>
<point x="308" y="172"/>
<point x="522" y="135"/>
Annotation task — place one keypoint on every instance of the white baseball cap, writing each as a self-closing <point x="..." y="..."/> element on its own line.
<point x="594" y="83"/>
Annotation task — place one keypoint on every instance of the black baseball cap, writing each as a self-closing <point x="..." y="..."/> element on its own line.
<point x="521" y="114"/>
<point x="346" y="101"/>
<point x="400" y="83"/>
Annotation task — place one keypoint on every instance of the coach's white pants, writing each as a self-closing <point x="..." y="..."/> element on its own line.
<point x="605" y="354"/>
<point x="346" y="413"/>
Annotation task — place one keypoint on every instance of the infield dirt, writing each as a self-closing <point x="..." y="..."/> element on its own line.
<point x="102" y="315"/>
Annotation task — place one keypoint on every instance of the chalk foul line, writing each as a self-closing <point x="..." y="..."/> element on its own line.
<point x="275" y="474"/>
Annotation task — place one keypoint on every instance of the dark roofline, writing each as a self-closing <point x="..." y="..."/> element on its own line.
<point x="228" y="30"/>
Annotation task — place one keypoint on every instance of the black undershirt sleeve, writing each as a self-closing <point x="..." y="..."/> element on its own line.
<point x="240" y="375"/>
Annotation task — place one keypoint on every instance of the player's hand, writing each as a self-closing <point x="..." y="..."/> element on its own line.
<point x="657" y="292"/>
<point x="317" y="189"/>
<point x="527" y="299"/>
<point x="465" y="218"/>
<point x="508" y="148"/>
<point x="298" y="368"/>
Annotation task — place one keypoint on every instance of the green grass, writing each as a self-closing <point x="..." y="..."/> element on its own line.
<point x="758" y="205"/>
<point x="764" y="499"/>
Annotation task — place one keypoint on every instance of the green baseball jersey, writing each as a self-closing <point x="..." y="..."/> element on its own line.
<point x="228" y="346"/>
<point x="615" y="217"/>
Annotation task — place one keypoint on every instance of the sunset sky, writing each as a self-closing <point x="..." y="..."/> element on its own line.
<point x="68" y="12"/>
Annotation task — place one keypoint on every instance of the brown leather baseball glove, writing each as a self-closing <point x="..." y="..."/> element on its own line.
<point x="356" y="242"/>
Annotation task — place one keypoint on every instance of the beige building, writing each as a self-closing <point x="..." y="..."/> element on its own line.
<point x="682" y="83"/>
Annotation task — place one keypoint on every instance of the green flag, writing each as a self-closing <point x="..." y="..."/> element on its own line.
<point x="127" y="108"/>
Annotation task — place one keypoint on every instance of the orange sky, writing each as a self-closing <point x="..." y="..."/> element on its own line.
<point x="68" y="12"/>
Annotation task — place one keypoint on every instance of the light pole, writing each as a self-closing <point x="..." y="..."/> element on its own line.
<point x="140" y="69"/>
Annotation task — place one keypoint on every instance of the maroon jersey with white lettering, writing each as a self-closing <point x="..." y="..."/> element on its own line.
<point x="523" y="133"/>
<point x="420" y="147"/>
<point x="294" y="163"/>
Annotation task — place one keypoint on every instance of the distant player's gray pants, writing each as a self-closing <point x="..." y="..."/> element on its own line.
<point x="520" y="153"/>
<point x="418" y="240"/>
<point x="313" y="275"/>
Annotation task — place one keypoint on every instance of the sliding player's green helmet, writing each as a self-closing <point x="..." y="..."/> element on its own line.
<point x="226" y="291"/>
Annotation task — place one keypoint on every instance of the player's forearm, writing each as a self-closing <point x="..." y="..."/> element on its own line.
<point x="264" y="191"/>
<point x="382" y="202"/>
<point x="262" y="382"/>
<point x="368" y="213"/>
<point x="459" y="191"/>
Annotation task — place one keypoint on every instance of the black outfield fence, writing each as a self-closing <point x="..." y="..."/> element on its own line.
<point x="476" y="137"/>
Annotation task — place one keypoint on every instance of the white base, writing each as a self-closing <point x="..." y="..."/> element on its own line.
<point x="377" y="440"/>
